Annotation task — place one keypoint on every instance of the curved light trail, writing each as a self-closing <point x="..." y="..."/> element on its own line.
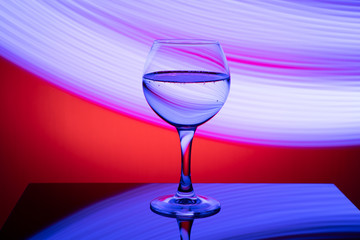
<point x="295" y="65"/>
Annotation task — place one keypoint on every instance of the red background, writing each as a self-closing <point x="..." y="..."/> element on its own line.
<point x="49" y="135"/>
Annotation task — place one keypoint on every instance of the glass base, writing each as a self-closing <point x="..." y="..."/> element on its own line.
<point x="176" y="207"/>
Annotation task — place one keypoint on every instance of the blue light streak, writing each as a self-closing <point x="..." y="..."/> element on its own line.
<point x="295" y="65"/>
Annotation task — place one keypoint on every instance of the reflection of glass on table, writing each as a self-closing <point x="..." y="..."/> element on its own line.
<point x="249" y="211"/>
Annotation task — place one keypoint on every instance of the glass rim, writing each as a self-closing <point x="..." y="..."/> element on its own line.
<point x="185" y="41"/>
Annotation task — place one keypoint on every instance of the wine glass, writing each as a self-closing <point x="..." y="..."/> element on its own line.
<point x="186" y="82"/>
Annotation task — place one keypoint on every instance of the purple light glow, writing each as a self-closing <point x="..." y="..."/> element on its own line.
<point x="295" y="66"/>
<point x="249" y="211"/>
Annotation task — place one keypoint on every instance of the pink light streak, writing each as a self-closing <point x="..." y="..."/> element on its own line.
<point x="295" y="66"/>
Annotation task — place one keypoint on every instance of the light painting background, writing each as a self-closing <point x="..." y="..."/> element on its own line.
<point x="73" y="111"/>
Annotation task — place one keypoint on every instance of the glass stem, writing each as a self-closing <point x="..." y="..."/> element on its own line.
<point x="185" y="189"/>
<point x="185" y="228"/>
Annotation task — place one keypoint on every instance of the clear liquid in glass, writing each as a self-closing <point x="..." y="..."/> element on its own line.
<point x="186" y="98"/>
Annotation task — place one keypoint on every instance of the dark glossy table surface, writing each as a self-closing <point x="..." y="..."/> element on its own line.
<point x="121" y="211"/>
